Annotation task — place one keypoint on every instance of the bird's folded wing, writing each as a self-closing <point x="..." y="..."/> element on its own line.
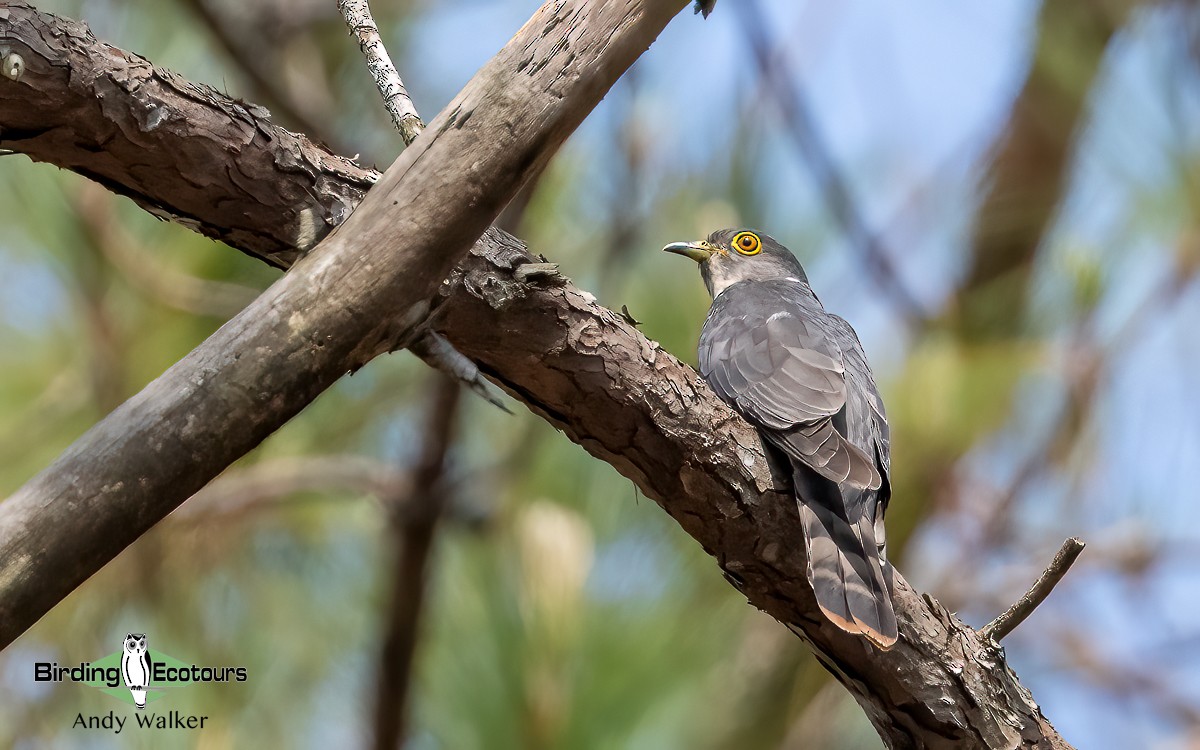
<point x="775" y="370"/>
<point x="822" y="447"/>
<point x="789" y="378"/>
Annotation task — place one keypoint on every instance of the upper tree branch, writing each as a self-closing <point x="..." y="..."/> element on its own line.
<point x="391" y="87"/>
<point x="362" y="292"/>
<point x="583" y="368"/>
<point x="108" y="114"/>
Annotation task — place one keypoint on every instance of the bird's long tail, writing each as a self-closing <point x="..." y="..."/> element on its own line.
<point x="851" y="581"/>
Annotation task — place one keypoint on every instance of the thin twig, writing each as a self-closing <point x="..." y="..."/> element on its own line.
<point x="1016" y="614"/>
<point x="430" y="346"/>
<point x="395" y="96"/>
<point x="413" y="535"/>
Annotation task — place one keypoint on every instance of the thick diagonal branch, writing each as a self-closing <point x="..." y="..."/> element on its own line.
<point x="360" y="293"/>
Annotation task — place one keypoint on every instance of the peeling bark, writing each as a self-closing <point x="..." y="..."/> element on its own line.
<point x="582" y="367"/>
<point x="107" y="114"/>
<point x="363" y="291"/>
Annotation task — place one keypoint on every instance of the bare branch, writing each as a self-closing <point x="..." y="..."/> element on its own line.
<point x="1023" y="607"/>
<point x="363" y="292"/>
<point x="395" y="97"/>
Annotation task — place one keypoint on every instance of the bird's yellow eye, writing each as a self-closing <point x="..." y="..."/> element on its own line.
<point x="747" y="243"/>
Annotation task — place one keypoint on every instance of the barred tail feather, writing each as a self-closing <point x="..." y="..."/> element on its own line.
<point x="847" y="574"/>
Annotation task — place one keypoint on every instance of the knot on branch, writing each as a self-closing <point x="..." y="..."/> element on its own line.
<point x="543" y="273"/>
<point x="12" y="66"/>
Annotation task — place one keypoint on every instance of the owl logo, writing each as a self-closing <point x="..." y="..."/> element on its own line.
<point x="135" y="667"/>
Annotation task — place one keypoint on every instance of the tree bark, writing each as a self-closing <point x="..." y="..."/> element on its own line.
<point x="159" y="139"/>
<point x="362" y="292"/>
<point x="582" y="367"/>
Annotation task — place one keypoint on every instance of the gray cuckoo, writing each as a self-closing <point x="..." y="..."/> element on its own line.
<point x="799" y="375"/>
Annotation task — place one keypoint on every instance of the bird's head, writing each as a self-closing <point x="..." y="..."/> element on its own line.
<point x="732" y="255"/>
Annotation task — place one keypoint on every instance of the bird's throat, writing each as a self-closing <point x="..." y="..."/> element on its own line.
<point x="717" y="277"/>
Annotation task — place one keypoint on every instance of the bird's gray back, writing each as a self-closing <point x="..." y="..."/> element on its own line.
<point x="745" y="309"/>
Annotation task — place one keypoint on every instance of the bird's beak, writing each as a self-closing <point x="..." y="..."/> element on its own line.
<point x="697" y="251"/>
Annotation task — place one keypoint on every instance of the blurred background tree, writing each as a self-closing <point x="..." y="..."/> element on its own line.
<point x="1003" y="200"/>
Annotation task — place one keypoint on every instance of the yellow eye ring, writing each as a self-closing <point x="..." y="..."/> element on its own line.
<point x="747" y="243"/>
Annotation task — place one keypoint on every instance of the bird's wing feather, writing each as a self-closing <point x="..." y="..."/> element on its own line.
<point x="770" y="351"/>
<point x="786" y="375"/>
<point x="775" y="370"/>
<point x="866" y="421"/>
